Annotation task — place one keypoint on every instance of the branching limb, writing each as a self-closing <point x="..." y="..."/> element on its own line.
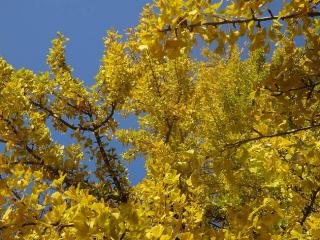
<point x="246" y="20"/>
<point x="60" y="119"/>
<point x="279" y="134"/>
<point x="113" y="174"/>
<point x="308" y="209"/>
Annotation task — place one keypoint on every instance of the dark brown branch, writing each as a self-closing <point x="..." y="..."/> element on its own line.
<point x="168" y="133"/>
<point x="247" y="20"/>
<point x="270" y="12"/>
<point x="113" y="174"/>
<point x="41" y="162"/>
<point x="60" y="227"/>
<point x="60" y="119"/>
<point x="279" y="134"/>
<point x="256" y="131"/>
<point x="29" y="150"/>
<point x="77" y="109"/>
<point x="29" y="224"/>
<point x="54" y="171"/>
<point x="123" y="235"/>
<point x="16" y="195"/>
<point x="307" y="86"/>
<point x="73" y="106"/>
<point x="108" y="118"/>
<point x="72" y="126"/>
<point x="309" y="207"/>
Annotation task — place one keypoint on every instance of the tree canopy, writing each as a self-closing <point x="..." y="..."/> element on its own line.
<point x="231" y="142"/>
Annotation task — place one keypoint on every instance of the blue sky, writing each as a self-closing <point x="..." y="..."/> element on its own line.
<point x="28" y="26"/>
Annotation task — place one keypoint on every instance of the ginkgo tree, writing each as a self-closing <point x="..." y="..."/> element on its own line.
<point x="231" y="143"/>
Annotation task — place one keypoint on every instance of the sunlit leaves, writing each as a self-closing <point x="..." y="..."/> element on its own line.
<point x="231" y="144"/>
<point x="169" y="27"/>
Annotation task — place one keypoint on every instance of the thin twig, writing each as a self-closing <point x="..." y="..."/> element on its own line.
<point x="241" y="142"/>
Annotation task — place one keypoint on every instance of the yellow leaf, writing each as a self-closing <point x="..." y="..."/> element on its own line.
<point x="6" y="215"/>
<point x="156" y="232"/>
<point x="58" y="182"/>
<point x="116" y="215"/>
<point x="193" y="12"/>
<point x="143" y="47"/>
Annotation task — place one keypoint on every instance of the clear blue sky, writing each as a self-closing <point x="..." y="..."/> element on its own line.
<point x="28" y="26"/>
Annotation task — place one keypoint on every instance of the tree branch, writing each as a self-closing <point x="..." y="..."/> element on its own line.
<point x="113" y="174"/>
<point x="241" y="142"/>
<point x="60" y="119"/>
<point x="245" y="20"/>
<point x="107" y="119"/>
<point x="280" y="92"/>
<point x="309" y="207"/>
<point x="60" y="227"/>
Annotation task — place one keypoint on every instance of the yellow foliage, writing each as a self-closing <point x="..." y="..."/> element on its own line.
<point x="231" y="143"/>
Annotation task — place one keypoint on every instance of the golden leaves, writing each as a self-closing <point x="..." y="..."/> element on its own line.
<point x="231" y="144"/>
<point x="183" y="21"/>
<point x="56" y="57"/>
<point x="57" y="183"/>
